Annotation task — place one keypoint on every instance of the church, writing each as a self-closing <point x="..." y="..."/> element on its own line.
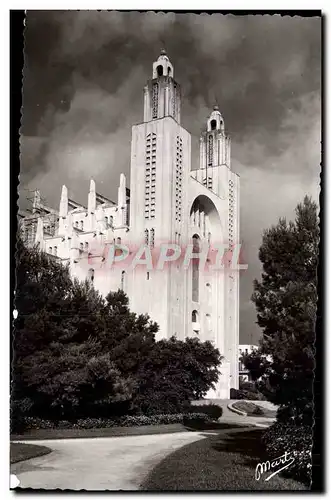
<point x="167" y="203"/>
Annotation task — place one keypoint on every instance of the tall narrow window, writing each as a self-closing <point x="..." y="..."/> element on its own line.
<point x="231" y="212"/>
<point x="91" y="275"/>
<point x="76" y="223"/>
<point x="195" y="321"/>
<point x="55" y="250"/>
<point x="174" y="102"/>
<point x="122" y="280"/>
<point x="152" y="237"/>
<point x="111" y="220"/>
<point x="155" y="99"/>
<point x="210" y="150"/>
<point x="179" y="179"/>
<point x="50" y="250"/>
<point x="195" y="270"/>
<point x="119" y="240"/>
<point x="146" y="237"/>
<point x="86" y="245"/>
<point x="150" y="176"/>
<point x="81" y="247"/>
<point x="106" y="220"/>
<point x="82" y="225"/>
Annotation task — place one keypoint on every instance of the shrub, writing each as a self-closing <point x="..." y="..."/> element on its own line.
<point x="258" y="411"/>
<point x="284" y="437"/>
<point x="195" y="419"/>
<point x="245" y="394"/>
<point x="214" y="412"/>
<point x="249" y="408"/>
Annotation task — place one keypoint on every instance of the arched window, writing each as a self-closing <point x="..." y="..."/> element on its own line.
<point x="111" y="220"/>
<point x="213" y="124"/>
<point x="50" y="250"/>
<point x="76" y="223"/>
<point x="55" y="250"/>
<point x="159" y="70"/>
<point x="122" y="280"/>
<point x="82" y="225"/>
<point x="195" y="316"/>
<point x="91" y="275"/>
<point x="86" y="245"/>
<point x="195" y="270"/>
<point x="208" y="321"/>
<point x="106" y="220"/>
<point x="195" y="322"/>
<point x="119" y="240"/>
<point x="81" y="246"/>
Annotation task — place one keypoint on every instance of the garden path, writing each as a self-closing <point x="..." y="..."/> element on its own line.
<point x="117" y="463"/>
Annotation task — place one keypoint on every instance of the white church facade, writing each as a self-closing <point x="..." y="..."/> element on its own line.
<point x="167" y="203"/>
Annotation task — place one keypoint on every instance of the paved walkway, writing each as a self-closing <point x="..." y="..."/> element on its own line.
<point x="118" y="463"/>
<point x="112" y="463"/>
<point x="231" y="417"/>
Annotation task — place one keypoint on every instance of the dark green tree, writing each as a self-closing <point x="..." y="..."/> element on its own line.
<point x="61" y="367"/>
<point x="77" y="354"/>
<point x="285" y="300"/>
<point x="175" y="373"/>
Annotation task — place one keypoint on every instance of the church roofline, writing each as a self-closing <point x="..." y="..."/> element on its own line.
<point x="74" y="204"/>
<point x="162" y="118"/>
<point x="103" y="199"/>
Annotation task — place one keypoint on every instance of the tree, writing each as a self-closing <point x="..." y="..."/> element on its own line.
<point x="285" y="300"/>
<point x="77" y="354"/>
<point x="60" y="367"/>
<point x="175" y="373"/>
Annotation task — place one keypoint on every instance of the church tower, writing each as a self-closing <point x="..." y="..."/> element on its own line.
<point x="215" y="154"/>
<point x="160" y="167"/>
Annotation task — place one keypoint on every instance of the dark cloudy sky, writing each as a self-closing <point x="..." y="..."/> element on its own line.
<point x="83" y="79"/>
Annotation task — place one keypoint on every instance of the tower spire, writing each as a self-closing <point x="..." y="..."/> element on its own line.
<point x="162" y="93"/>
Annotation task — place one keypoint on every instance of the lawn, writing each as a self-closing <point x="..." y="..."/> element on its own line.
<point x="118" y="431"/>
<point x="254" y="409"/>
<point x="21" y="451"/>
<point x="224" y="462"/>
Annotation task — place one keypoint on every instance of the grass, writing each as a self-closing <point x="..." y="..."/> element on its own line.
<point x="224" y="462"/>
<point x="35" y="434"/>
<point x="20" y="451"/>
<point x="253" y="409"/>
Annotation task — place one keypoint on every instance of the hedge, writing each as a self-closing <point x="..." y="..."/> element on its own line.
<point x="285" y="437"/>
<point x="97" y="423"/>
<point x="246" y="394"/>
<point x="214" y="412"/>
